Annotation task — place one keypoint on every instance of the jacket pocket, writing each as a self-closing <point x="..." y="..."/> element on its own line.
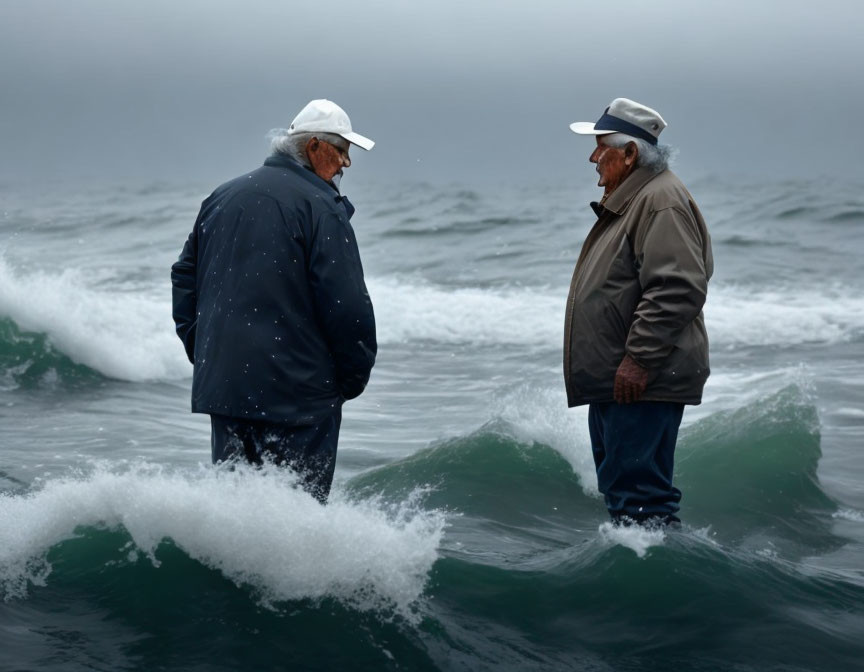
<point x="685" y="370"/>
<point x="618" y="327"/>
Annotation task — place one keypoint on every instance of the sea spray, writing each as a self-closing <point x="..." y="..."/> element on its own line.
<point x="466" y="397"/>
<point x="849" y="514"/>
<point x="411" y="309"/>
<point x="253" y="526"/>
<point x="129" y="335"/>
<point x="635" y="537"/>
<point x="123" y="335"/>
<point x="539" y="414"/>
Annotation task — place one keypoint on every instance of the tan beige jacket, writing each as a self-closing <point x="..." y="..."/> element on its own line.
<point x="638" y="288"/>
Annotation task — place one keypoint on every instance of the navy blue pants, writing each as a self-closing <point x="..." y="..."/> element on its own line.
<point x="634" y="448"/>
<point x="310" y="450"/>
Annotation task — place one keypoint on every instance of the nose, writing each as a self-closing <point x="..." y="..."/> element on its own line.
<point x="346" y="160"/>
<point x="595" y="155"/>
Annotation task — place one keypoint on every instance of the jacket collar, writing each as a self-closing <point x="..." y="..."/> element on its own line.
<point x="620" y="198"/>
<point x="284" y="161"/>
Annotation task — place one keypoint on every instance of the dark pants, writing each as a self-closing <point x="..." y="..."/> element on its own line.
<point x="634" y="447"/>
<point x="310" y="450"/>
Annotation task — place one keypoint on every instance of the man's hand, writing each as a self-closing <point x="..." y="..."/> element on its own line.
<point x="630" y="381"/>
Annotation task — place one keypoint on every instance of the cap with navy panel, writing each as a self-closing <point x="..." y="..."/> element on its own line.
<point x="625" y="116"/>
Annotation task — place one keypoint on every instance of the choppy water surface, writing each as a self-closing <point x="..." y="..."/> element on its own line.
<point x="465" y="530"/>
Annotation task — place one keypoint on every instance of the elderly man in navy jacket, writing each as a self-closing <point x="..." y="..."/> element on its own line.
<point x="271" y="305"/>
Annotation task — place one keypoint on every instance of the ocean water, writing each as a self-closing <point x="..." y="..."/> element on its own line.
<point x="465" y="530"/>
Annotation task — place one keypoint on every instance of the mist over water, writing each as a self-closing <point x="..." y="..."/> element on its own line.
<point x="465" y="529"/>
<point x="478" y="92"/>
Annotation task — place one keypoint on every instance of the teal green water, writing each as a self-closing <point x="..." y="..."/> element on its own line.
<point x="523" y="579"/>
<point x="465" y="531"/>
<point x="28" y="360"/>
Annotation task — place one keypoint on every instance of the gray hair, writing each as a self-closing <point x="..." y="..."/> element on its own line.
<point x="655" y="158"/>
<point x="281" y="142"/>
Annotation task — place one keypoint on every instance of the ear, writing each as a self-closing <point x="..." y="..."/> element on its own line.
<point x="631" y="153"/>
<point x="312" y="145"/>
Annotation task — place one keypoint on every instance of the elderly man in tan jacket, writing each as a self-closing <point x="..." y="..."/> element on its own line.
<point x="635" y="346"/>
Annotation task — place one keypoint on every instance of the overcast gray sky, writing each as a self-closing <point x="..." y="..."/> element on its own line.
<point x="472" y="90"/>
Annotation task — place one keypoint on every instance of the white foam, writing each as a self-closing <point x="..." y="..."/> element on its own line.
<point x="125" y="335"/>
<point x="129" y="335"/>
<point x="849" y="514"/>
<point x="540" y="414"/>
<point x="635" y="537"/>
<point x="741" y="316"/>
<point x="253" y="527"/>
<point x="728" y="390"/>
<point x="849" y="412"/>
<point x="537" y="411"/>
<point x="411" y="309"/>
<point x="415" y="310"/>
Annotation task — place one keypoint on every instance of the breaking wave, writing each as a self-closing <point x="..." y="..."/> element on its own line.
<point x="126" y="335"/>
<point x="534" y="317"/>
<point x="59" y="322"/>
<point x="255" y="528"/>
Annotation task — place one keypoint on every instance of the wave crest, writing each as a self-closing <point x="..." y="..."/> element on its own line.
<point x="125" y="335"/>
<point x="252" y="526"/>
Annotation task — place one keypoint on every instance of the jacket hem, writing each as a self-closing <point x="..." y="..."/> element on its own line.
<point x="297" y="419"/>
<point x="689" y="401"/>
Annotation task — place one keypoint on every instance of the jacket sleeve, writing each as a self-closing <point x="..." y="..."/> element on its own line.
<point x="669" y="250"/>
<point x="184" y="293"/>
<point x="342" y="302"/>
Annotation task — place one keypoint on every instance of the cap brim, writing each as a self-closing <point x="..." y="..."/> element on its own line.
<point x="359" y="140"/>
<point x="587" y="128"/>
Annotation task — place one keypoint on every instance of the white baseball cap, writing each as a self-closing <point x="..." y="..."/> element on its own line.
<point x="325" y="116"/>
<point x="625" y="116"/>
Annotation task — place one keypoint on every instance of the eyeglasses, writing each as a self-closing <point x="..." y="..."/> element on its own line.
<point x="343" y="151"/>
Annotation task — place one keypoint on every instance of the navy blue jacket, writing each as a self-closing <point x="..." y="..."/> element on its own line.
<point x="269" y="299"/>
